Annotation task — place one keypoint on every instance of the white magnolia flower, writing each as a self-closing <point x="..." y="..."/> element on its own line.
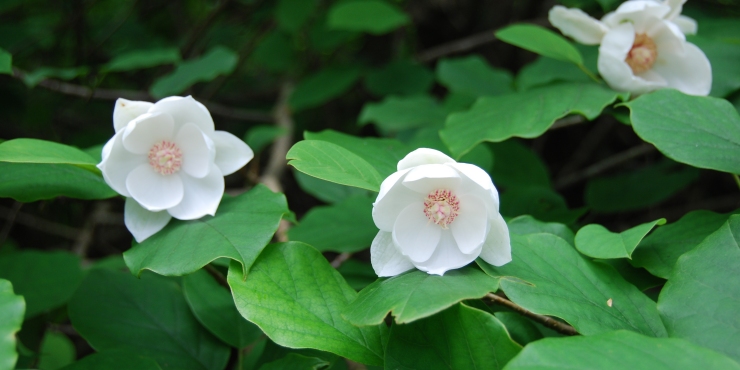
<point x="643" y="47"/>
<point x="437" y="215"/>
<point x="169" y="161"/>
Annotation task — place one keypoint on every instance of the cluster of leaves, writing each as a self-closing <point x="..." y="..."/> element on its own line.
<point x="644" y="282"/>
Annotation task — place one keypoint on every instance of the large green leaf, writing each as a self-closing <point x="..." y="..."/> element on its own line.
<point x="697" y="130"/>
<point x="357" y="274"/>
<point x="214" y="308"/>
<point x="217" y="61"/>
<point x="140" y="59"/>
<point x="371" y="16"/>
<point x="416" y="294"/>
<point x="517" y="166"/>
<point x="45" y="279"/>
<point x="399" y="78"/>
<point x="546" y="70"/>
<point x="618" y="350"/>
<point x="701" y="300"/>
<point x="326" y="191"/>
<point x="11" y="317"/>
<point x="547" y="276"/>
<point x="323" y="86"/>
<point x="401" y="113"/>
<point x="295" y="297"/>
<point x="291" y="15"/>
<point x="540" y="40"/>
<point x="115" y="359"/>
<point x="29" y="182"/>
<point x="460" y="337"/>
<point x="274" y="52"/>
<point x="46" y="152"/>
<point x="148" y="316"/>
<point x="240" y="230"/>
<point x="56" y="351"/>
<point x="472" y="76"/>
<point x="527" y="224"/>
<point x="541" y="202"/>
<point x="343" y="227"/>
<point x="296" y="361"/>
<point x="596" y="241"/>
<point x="331" y="162"/>
<point x="524" y="114"/>
<point x="520" y="328"/>
<point x="660" y="250"/>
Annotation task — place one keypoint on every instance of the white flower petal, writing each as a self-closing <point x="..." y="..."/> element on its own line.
<point x="479" y="184"/>
<point x="447" y="256"/>
<point x="146" y="130"/>
<point x="105" y="152"/>
<point x="201" y="196"/>
<point x="618" y="41"/>
<point x="392" y="199"/>
<point x="185" y="110"/>
<point x="688" y="72"/>
<point x="152" y="190"/>
<point x="118" y="163"/>
<point x="423" y="156"/>
<point x="426" y="178"/>
<point x="126" y="110"/>
<point x="667" y="37"/>
<point x="676" y="6"/>
<point x="385" y="257"/>
<point x="197" y="149"/>
<point x="686" y="24"/>
<point x="612" y="66"/>
<point x="470" y="227"/>
<point x="497" y="247"/>
<point x="142" y="223"/>
<point x="232" y="153"/>
<point x="640" y="13"/>
<point x="414" y="234"/>
<point x="577" y="24"/>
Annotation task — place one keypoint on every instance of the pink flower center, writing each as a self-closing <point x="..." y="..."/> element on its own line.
<point x="441" y="207"/>
<point x="643" y="54"/>
<point x="165" y="157"/>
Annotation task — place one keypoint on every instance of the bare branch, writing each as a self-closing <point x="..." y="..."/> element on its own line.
<point x="40" y="224"/>
<point x="340" y="259"/>
<point x="544" y="320"/>
<point x="604" y="165"/>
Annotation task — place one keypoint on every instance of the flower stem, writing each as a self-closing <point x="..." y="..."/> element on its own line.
<point x="544" y="320"/>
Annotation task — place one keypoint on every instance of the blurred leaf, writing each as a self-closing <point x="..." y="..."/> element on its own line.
<point x="242" y="228"/>
<point x="400" y="113"/>
<point x="331" y="162"/>
<point x="540" y="40"/>
<point x="400" y="77"/>
<point x="638" y="189"/>
<point x="114" y="310"/>
<point x="544" y="70"/>
<point x="346" y="226"/>
<point x="517" y="166"/>
<point x="527" y="224"/>
<point x="357" y="274"/>
<point x="548" y="277"/>
<point x="140" y="59"/>
<point x="371" y="16"/>
<point x="324" y="39"/>
<point x="473" y="76"/>
<point x="306" y="296"/>
<point x="56" y="351"/>
<point x="274" y="52"/>
<point x="723" y="56"/>
<point x="291" y="15"/>
<point x="217" y="61"/>
<point x="296" y="361"/>
<point x="659" y="251"/>
<point x="326" y="191"/>
<point x="323" y="86"/>
<point x="258" y="137"/>
<point x="6" y="63"/>
<point x="47" y="152"/>
<point x="213" y="306"/>
<point x="460" y="337"/>
<point x="540" y="202"/>
<point x="525" y="114"/>
<point x="701" y="300"/>
<point x="119" y="360"/>
<point x="415" y="294"/>
<point x="617" y="350"/>
<point x="46" y="280"/>
<point x="32" y="79"/>
<point x="696" y="130"/>
<point x="522" y="330"/>
<point x="12" y="307"/>
<point x="29" y="182"/>
<point x="596" y="241"/>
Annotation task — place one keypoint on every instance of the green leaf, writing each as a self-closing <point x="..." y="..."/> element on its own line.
<point x="638" y="189"/>
<point x="296" y="297"/>
<point x="46" y="280"/>
<point x="12" y="307"/>
<point x="596" y="241"/>
<point x="548" y="277"/>
<point x="639" y="277"/>
<point x="291" y="15"/>
<point x="416" y="294"/>
<point x="522" y="330"/>
<point x="617" y="350"/>
<point x="56" y="351"/>
<point x="357" y="274"/>
<point x="334" y="163"/>
<point x="544" y="70"/>
<point x="141" y="59"/>
<point x="460" y="337"/>
<point x="518" y="166"/>
<point x="216" y="62"/>
<point x="524" y="114"/>
<point x="326" y="191"/>
<point x="540" y="202"/>
<point x="241" y="229"/>
<point x="6" y="62"/>
<point x="540" y="40"/>
<point x="659" y="251"/>
<point x="119" y="360"/>
<point x="372" y="16"/>
<point x="402" y="113"/>
<point x="46" y="152"/>
<point x="701" y="300"/>
<point x="473" y="76"/>
<point x="296" y="361"/>
<point x="114" y="310"/>
<point x="697" y="130"/>
<point x="322" y="87"/>
<point x="527" y="224"/>
<point x="213" y="306"/>
<point x="400" y="77"/>
<point x="29" y="182"/>
<point x="343" y="227"/>
<point x="258" y="137"/>
<point x="32" y="79"/>
<point x="274" y="52"/>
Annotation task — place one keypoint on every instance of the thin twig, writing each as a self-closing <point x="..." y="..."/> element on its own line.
<point x="10" y="222"/>
<point x="340" y="259"/>
<point x="457" y="46"/>
<point x="217" y="275"/>
<point x="544" y="320"/>
<point x="85" y="237"/>
<point x="40" y="224"/>
<point x="604" y="165"/>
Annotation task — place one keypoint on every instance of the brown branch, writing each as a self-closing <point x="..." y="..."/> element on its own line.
<point x="189" y="47"/>
<point x="340" y="259"/>
<point x="604" y="165"/>
<point x="40" y="224"/>
<point x="544" y="320"/>
<point x="217" y="275"/>
<point x="85" y="237"/>
<point x="10" y="222"/>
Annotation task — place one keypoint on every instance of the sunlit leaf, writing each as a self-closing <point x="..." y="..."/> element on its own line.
<point x="473" y="76"/>
<point x="371" y="16"/>
<point x="12" y="307"/>
<point x="596" y="241"/>
<point x="331" y="162"/>
<point x="540" y="40"/>
<point x="401" y="113"/>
